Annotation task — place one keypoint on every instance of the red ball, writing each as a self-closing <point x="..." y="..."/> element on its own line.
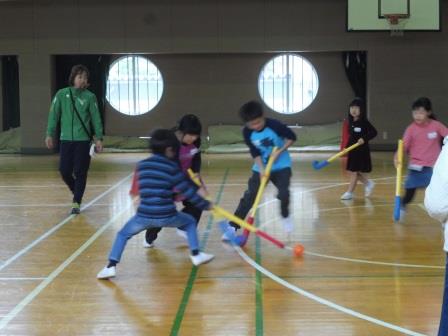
<point x="298" y="250"/>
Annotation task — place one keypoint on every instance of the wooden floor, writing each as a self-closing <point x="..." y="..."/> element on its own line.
<point x="49" y="260"/>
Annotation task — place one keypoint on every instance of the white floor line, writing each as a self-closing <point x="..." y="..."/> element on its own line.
<point x="321" y="300"/>
<point x="305" y="192"/>
<point x="4" y="321"/>
<point x="35" y="205"/>
<point x="372" y="262"/>
<point x="58" y="226"/>
<point x="323" y="188"/>
<point x="354" y="260"/>
<point x="421" y="206"/>
<point x="277" y="218"/>
<point x="26" y="187"/>
<point x="45" y="205"/>
<point x="21" y="279"/>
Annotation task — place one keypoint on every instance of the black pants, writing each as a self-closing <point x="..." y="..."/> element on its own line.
<point x="408" y="196"/>
<point x="73" y="165"/>
<point x="280" y="178"/>
<point x="189" y="208"/>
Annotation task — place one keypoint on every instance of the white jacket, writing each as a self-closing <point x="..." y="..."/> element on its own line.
<point x="436" y="195"/>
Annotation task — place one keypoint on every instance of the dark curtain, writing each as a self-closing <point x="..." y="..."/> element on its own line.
<point x="10" y="92"/>
<point x="355" y="64"/>
<point x="98" y="66"/>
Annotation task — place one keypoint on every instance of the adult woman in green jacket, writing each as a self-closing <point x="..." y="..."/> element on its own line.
<point x="76" y="109"/>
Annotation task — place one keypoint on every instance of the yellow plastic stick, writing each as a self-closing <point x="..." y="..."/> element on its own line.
<point x="194" y="177"/>
<point x="397" y="206"/>
<point x="263" y="183"/>
<point x="399" y="168"/>
<point x="342" y="153"/>
<point x="220" y="212"/>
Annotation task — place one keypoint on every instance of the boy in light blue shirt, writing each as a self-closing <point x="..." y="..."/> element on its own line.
<point x="261" y="135"/>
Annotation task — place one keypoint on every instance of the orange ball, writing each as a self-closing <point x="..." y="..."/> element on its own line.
<point x="298" y="250"/>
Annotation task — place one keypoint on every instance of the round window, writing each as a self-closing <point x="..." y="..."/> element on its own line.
<point x="288" y="83"/>
<point x="134" y="85"/>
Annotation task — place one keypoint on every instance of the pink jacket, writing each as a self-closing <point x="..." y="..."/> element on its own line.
<point x="422" y="142"/>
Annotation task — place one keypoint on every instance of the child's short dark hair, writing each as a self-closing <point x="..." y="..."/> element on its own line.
<point x="422" y="102"/>
<point x="251" y="110"/>
<point x="76" y="70"/>
<point x="161" y="139"/>
<point x="358" y="102"/>
<point x="190" y="124"/>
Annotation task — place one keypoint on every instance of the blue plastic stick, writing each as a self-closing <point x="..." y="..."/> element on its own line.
<point x="320" y="164"/>
<point x="397" y="208"/>
<point x="231" y="235"/>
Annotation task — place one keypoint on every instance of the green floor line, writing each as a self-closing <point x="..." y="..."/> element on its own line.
<point x="305" y="277"/>
<point x="194" y="270"/>
<point x="258" y="287"/>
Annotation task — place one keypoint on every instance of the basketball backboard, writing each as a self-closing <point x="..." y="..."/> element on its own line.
<point x="374" y="15"/>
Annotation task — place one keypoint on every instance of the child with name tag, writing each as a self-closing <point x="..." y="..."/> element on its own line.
<point x="359" y="162"/>
<point x="422" y="143"/>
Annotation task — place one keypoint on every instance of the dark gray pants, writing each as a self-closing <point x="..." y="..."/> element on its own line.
<point x="280" y="178"/>
<point x="189" y="208"/>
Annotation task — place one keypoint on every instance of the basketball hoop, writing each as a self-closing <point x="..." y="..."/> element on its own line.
<point x="397" y="22"/>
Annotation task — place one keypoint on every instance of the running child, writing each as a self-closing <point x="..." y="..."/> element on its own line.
<point x="359" y="162"/>
<point x="261" y="135"/>
<point x="422" y="142"/>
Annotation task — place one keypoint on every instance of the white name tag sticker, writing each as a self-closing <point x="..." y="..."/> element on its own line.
<point x="357" y="129"/>
<point x="432" y="135"/>
<point x="416" y="167"/>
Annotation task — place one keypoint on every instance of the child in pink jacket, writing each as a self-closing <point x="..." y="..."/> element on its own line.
<point x="422" y="142"/>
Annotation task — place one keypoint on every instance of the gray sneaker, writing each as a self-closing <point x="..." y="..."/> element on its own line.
<point x="369" y="188"/>
<point x="76" y="208"/>
<point x="347" y="196"/>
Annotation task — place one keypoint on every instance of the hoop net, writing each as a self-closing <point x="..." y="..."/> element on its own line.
<point x="397" y="23"/>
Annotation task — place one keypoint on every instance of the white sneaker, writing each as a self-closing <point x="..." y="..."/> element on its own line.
<point x="201" y="258"/>
<point x="182" y="234"/>
<point x="229" y="234"/>
<point x="106" y="273"/>
<point x="146" y="244"/>
<point x="347" y="196"/>
<point x="288" y="224"/>
<point x="369" y="188"/>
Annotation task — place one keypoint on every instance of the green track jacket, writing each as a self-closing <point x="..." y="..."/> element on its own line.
<point x="71" y="127"/>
